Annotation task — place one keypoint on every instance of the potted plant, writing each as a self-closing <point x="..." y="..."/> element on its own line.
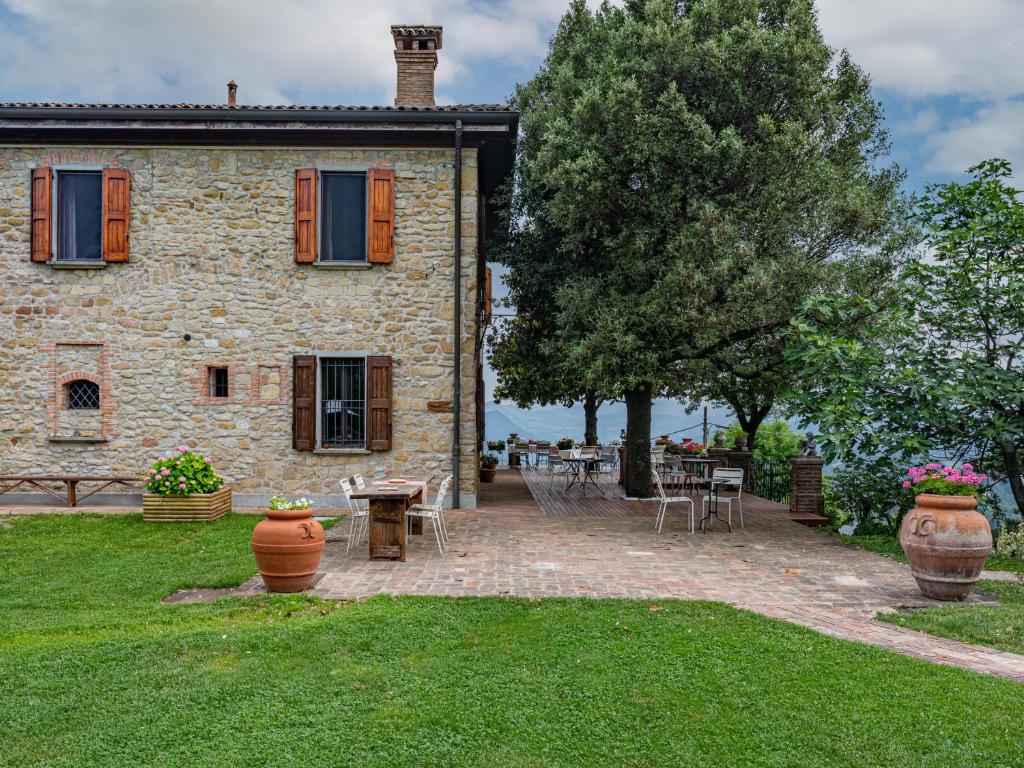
<point x="287" y="545"/>
<point x="945" y="538"/>
<point x="488" y="468"/>
<point x="565" y="444"/>
<point x="691" y="448"/>
<point x="184" y="486"/>
<point x="496" y="446"/>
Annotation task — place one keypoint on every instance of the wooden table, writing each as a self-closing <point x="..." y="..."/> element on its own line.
<point x="70" y="481"/>
<point x="388" y="522"/>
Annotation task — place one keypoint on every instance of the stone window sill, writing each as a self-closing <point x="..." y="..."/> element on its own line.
<point x="77" y="439"/>
<point x="350" y="266"/>
<point x="341" y="451"/>
<point x="71" y="264"/>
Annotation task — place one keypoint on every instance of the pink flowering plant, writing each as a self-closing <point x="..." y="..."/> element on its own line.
<point x="181" y="473"/>
<point x="945" y="481"/>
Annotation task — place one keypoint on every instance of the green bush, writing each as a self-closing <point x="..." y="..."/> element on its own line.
<point x="182" y="473"/>
<point x="775" y="440"/>
<point x="1011" y="542"/>
<point x="869" y="493"/>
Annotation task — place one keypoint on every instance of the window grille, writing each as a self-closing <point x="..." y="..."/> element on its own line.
<point x="82" y="394"/>
<point x="342" y="402"/>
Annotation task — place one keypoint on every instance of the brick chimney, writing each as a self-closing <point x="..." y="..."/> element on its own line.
<point x="416" y="48"/>
<point x="232" y="93"/>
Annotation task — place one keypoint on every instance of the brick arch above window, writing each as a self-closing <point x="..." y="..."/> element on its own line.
<point x="67" y="378"/>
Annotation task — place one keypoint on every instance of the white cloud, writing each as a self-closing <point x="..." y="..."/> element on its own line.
<point x="338" y="50"/>
<point x="925" y="48"/>
<point x="995" y="131"/>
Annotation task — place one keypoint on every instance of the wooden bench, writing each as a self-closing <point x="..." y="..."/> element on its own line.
<point x="71" y="483"/>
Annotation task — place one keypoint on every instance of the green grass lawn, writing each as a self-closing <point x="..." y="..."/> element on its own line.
<point x="997" y="626"/>
<point x="96" y="671"/>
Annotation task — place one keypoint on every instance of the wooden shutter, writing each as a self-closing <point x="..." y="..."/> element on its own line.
<point x="42" y="190"/>
<point x="116" y="202"/>
<point x="303" y="402"/>
<point x="381" y="241"/>
<point x="378" y="403"/>
<point x="305" y="215"/>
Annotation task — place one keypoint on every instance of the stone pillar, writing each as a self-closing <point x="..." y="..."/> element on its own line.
<point x="741" y="458"/>
<point x="719" y="454"/>
<point x="805" y="491"/>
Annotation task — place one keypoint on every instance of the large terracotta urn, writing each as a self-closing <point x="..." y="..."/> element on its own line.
<point x="946" y="541"/>
<point x="288" y="545"/>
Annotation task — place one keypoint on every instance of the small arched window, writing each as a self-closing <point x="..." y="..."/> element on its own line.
<point x="81" y="394"/>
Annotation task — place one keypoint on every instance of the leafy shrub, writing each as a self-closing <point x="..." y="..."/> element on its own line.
<point x="867" y="493"/>
<point x="837" y="515"/>
<point x="182" y="473"/>
<point x="496" y="445"/>
<point x="775" y="441"/>
<point x="488" y="462"/>
<point x="1011" y="542"/>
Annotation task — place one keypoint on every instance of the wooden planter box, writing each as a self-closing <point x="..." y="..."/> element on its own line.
<point x="198" y="508"/>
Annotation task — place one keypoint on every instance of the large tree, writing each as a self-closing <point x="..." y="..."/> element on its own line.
<point x="756" y="377"/>
<point x="944" y="371"/>
<point x="702" y="161"/>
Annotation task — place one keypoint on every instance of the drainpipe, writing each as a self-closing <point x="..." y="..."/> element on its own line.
<point x="457" y="346"/>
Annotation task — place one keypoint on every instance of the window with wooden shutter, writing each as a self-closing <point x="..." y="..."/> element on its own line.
<point x="116" y="202"/>
<point x="303" y="402"/>
<point x="42" y="189"/>
<point x="381" y="239"/>
<point x="378" y="403"/>
<point x="305" y="215"/>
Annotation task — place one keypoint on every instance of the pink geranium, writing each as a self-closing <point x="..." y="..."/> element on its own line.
<point x="946" y="481"/>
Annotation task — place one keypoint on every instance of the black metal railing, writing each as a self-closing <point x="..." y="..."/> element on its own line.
<point x="772" y="480"/>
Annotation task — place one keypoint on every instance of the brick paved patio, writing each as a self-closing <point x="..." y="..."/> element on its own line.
<point x="604" y="546"/>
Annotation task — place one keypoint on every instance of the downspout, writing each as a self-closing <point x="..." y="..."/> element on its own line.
<point x="457" y="346"/>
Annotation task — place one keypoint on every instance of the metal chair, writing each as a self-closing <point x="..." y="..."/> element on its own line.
<point x="733" y="477"/>
<point x="435" y="514"/>
<point x="360" y="516"/>
<point x="664" y="500"/>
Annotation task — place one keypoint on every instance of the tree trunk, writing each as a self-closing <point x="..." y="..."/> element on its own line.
<point x="750" y="424"/>
<point x="590" y="405"/>
<point x="638" y="443"/>
<point x="1012" y="462"/>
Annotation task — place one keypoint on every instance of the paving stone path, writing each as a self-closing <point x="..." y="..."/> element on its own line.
<point x="545" y="545"/>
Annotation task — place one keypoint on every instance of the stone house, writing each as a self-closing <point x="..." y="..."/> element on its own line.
<point x="298" y="292"/>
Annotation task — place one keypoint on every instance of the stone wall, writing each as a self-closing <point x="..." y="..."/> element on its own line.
<point x="211" y="243"/>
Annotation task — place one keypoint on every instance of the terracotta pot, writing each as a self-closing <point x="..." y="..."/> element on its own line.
<point x="288" y="545"/>
<point x="487" y="474"/>
<point x="946" y="541"/>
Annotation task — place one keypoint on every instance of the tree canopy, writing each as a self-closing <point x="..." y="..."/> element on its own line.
<point x="943" y="370"/>
<point x="689" y="170"/>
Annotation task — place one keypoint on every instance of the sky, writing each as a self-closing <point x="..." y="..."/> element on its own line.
<point x="949" y="73"/>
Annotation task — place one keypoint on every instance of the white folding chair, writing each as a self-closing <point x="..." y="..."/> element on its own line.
<point x="664" y="500"/>
<point x="555" y="464"/>
<point x="733" y="477"/>
<point x="360" y="515"/>
<point x="435" y="514"/>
